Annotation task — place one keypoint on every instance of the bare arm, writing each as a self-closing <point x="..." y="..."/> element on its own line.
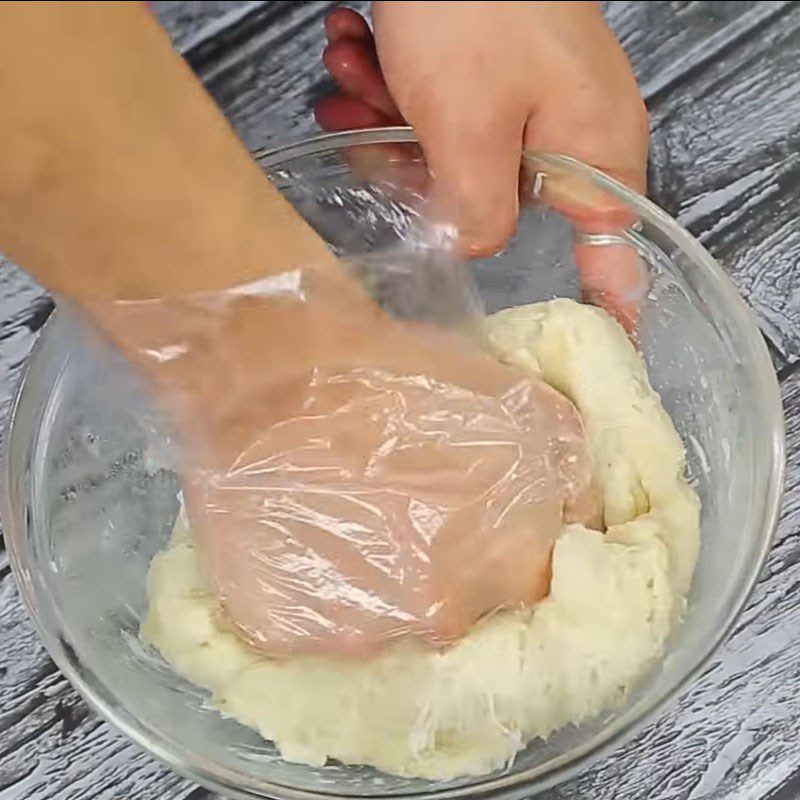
<point x="119" y="179"/>
<point x="118" y="175"/>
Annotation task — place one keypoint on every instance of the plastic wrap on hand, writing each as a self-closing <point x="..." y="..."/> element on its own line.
<point x="357" y="477"/>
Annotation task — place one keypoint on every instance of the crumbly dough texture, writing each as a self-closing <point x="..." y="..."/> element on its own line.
<point x="518" y="675"/>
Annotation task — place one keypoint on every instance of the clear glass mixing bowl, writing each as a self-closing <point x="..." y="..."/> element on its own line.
<point x="89" y="496"/>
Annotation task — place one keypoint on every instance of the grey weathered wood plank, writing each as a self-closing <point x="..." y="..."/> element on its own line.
<point x="669" y="41"/>
<point x="24" y="307"/>
<point x="193" y="22"/>
<point x="266" y="72"/>
<point x="734" y="734"/>
<point x="790" y="790"/>
<point x="725" y="156"/>
<point x="51" y="745"/>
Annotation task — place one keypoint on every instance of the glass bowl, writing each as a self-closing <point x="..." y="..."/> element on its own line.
<point x="89" y="496"/>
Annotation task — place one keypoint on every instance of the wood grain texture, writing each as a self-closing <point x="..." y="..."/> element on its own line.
<point x="51" y="745"/>
<point x="734" y="734"/>
<point x="25" y="307"/>
<point x="721" y="81"/>
<point x="266" y="72"/>
<point x="192" y="23"/>
<point x="723" y="84"/>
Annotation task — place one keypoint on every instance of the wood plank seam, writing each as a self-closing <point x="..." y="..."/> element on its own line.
<point x="787" y="371"/>
<point x="654" y="90"/>
<point x="219" y="26"/>
<point x="790" y="790"/>
<point x="212" y="56"/>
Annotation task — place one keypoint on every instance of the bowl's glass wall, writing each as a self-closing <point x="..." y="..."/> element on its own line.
<point x="92" y="495"/>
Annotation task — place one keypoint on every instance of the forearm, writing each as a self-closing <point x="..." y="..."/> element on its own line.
<point x="119" y="177"/>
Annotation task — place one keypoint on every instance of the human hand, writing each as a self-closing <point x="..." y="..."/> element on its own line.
<point x="322" y="472"/>
<point x="479" y="82"/>
<point x="353" y="480"/>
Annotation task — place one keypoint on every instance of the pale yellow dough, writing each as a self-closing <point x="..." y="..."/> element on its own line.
<point x="517" y="675"/>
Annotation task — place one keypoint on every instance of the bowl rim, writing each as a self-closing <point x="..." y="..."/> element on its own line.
<point x="512" y="786"/>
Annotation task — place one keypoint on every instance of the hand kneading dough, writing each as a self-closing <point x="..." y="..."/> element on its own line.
<point x="518" y="674"/>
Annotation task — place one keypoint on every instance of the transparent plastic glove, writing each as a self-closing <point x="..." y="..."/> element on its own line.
<point x="353" y="479"/>
<point x="422" y="279"/>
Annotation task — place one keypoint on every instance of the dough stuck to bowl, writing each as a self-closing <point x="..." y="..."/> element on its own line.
<point x="517" y="675"/>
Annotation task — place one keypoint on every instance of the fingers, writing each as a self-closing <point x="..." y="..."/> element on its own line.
<point x="615" y="278"/>
<point x="363" y="102"/>
<point x="612" y="274"/>
<point x="397" y="165"/>
<point x="355" y="69"/>
<point x="474" y="160"/>
<point x="352" y="62"/>
<point x="342" y="113"/>
<point x="475" y="165"/>
<point x="344" y="23"/>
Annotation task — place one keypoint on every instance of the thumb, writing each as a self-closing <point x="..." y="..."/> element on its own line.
<point x="474" y="160"/>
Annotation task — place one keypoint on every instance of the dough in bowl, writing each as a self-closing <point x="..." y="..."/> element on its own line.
<point x="517" y="675"/>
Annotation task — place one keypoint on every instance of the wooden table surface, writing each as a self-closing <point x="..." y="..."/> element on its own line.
<point x="722" y="81"/>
